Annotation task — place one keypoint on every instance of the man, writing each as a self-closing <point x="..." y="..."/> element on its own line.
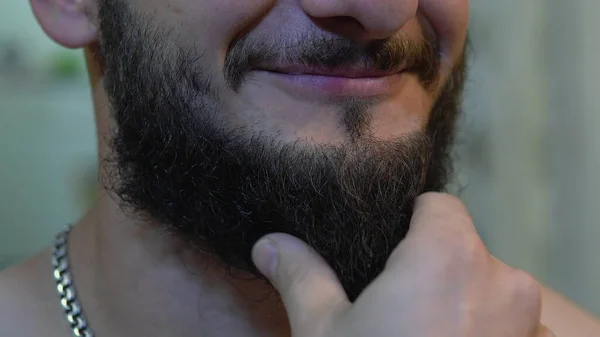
<point x="293" y="141"/>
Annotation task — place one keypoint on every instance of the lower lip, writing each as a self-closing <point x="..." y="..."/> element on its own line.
<point x="336" y="85"/>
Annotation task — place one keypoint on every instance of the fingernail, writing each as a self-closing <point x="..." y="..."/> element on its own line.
<point x="265" y="256"/>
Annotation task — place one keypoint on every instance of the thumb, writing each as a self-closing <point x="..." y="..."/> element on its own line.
<point x="309" y="288"/>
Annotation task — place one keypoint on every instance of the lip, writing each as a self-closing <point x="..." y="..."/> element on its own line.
<point x="341" y="82"/>
<point x="349" y="72"/>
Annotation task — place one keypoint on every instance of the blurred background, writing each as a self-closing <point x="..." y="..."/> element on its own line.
<point x="528" y="153"/>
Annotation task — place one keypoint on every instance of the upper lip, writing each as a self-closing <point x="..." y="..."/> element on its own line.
<point x="347" y="71"/>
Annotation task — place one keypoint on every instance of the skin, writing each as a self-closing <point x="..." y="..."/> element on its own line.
<point x="124" y="275"/>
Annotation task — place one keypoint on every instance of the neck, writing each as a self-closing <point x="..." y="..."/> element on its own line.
<point x="133" y="279"/>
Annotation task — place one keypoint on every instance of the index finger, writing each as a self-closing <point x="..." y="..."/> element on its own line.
<point x="441" y="226"/>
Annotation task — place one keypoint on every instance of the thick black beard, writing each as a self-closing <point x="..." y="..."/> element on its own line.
<point x="220" y="189"/>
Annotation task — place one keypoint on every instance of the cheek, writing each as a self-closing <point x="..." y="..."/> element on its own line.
<point x="208" y="25"/>
<point x="449" y="20"/>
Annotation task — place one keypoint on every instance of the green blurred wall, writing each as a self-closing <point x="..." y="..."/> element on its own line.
<point x="47" y="135"/>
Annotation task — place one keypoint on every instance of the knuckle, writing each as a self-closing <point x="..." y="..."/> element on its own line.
<point x="459" y="259"/>
<point x="464" y="247"/>
<point x="526" y="289"/>
<point x="474" y="252"/>
<point x="467" y="254"/>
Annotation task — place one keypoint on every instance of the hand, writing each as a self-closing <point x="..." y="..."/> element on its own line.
<point x="440" y="281"/>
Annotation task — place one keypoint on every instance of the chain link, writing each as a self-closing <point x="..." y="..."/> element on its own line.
<point x="65" y="288"/>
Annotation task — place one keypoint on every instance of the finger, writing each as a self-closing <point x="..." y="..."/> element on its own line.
<point x="309" y="288"/>
<point x="516" y="286"/>
<point x="545" y="332"/>
<point x="439" y="211"/>
<point x="441" y="227"/>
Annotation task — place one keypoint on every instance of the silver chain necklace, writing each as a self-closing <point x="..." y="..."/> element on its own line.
<point x="65" y="288"/>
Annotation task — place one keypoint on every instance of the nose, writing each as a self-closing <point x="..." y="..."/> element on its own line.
<point x="375" y="19"/>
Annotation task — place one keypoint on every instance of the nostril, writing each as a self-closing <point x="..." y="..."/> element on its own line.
<point x="342" y="25"/>
<point x="347" y="20"/>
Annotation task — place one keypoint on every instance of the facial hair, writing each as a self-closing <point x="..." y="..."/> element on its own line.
<point x="178" y="166"/>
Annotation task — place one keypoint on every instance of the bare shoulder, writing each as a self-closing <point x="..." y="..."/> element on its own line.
<point x="565" y="318"/>
<point x="27" y="307"/>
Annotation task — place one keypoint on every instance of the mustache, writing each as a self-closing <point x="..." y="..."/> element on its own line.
<point x="420" y="57"/>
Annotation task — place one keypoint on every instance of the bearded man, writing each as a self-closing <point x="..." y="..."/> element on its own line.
<point x="273" y="168"/>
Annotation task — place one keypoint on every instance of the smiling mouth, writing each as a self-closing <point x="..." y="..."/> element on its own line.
<point x="339" y="81"/>
<point x="347" y="72"/>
